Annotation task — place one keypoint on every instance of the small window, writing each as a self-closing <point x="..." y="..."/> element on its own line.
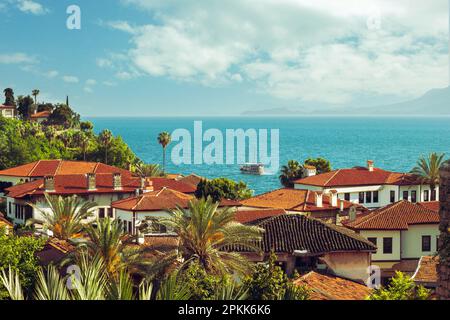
<point x="426" y="243"/>
<point x="413" y="196"/>
<point x="101" y="213"/>
<point x="373" y="240"/>
<point x="392" y="196"/>
<point x="347" y="197"/>
<point x="10" y="208"/>
<point x="375" y="197"/>
<point x="426" y="195"/>
<point x="110" y="213"/>
<point x="369" y="197"/>
<point x="361" y="197"/>
<point x="387" y="245"/>
<point x="130" y="227"/>
<point x="405" y="195"/>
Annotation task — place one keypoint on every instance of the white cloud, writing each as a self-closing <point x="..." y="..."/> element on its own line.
<point x="16" y="58"/>
<point x="318" y="50"/>
<point x="70" y="79"/>
<point x="91" y="82"/>
<point x="51" y="74"/>
<point x="32" y="7"/>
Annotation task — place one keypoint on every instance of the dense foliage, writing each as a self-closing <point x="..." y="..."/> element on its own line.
<point x="322" y="165"/>
<point x="290" y="172"/>
<point x="223" y="188"/>
<point x="18" y="253"/>
<point x="401" y="287"/>
<point x="23" y="142"/>
<point x="269" y="282"/>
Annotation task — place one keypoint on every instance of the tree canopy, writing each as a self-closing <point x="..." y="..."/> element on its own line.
<point x="223" y="188"/>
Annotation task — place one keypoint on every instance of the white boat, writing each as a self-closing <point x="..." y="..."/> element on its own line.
<point x="253" y="168"/>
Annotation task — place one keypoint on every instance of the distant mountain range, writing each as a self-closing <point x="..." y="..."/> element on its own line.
<point x="434" y="102"/>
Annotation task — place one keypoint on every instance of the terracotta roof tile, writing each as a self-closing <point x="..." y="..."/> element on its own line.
<point x="154" y="201"/>
<point x="433" y="205"/>
<point x="159" y="183"/>
<point x="426" y="272"/>
<point x="7" y="107"/>
<point x="293" y="200"/>
<point x="358" y="176"/>
<point x="42" y="168"/>
<point x="328" y="287"/>
<point x="191" y="179"/>
<point x="397" y="216"/>
<point x="290" y="232"/>
<point x="246" y="216"/>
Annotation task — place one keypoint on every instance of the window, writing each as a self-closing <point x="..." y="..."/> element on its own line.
<point x="101" y="213"/>
<point x="392" y="196"/>
<point x="426" y="195"/>
<point x="426" y="243"/>
<point x="369" y="197"/>
<point x="10" y="208"/>
<point x="110" y="213"/>
<point x="361" y="197"/>
<point x="405" y="195"/>
<point x="387" y="245"/>
<point x="433" y="195"/>
<point x="414" y="196"/>
<point x="375" y="197"/>
<point x="373" y="240"/>
<point x="130" y="227"/>
<point x="347" y="196"/>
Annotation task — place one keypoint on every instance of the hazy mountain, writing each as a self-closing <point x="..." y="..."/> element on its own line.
<point x="434" y="102"/>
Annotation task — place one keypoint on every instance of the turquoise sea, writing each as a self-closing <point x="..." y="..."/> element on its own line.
<point x="393" y="143"/>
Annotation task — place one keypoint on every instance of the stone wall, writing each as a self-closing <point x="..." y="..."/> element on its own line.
<point x="443" y="290"/>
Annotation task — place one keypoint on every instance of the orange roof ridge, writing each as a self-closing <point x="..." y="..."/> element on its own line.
<point x="58" y="167"/>
<point x="138" y="203"/>
<point x="34" y="167"/>
<point x="337" y="171"/>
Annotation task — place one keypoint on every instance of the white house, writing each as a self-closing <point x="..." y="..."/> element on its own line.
<point x="7" y="111"/>
<point x="403" y="232"/>
<point x="369" y="186"/>
<point x="40" y="117"/>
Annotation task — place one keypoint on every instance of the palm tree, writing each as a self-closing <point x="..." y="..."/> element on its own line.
<point x="427" y="170"/>
<point x="106" y="138"/>
<point x="35" y="93"/>
<point x="65" y="216"/>
<point x="106" y="238"/>
<point x="148" y="170"/>
<point x="83" y="141"/>
<point x="164" y="139"/>
<point x="293" y="170"/>
<point x="9" y="97"/>
<point x="206" y="233"/>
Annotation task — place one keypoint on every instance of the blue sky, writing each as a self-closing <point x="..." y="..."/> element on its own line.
<point x="155" y="57"/>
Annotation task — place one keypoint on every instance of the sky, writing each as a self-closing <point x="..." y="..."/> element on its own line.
<point x="215" y="57"/>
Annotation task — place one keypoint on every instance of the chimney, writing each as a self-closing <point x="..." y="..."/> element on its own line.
<point x="333" y="198"/>
<point x="148" y="186"/>
<point x="49" y="184"/>
<point x="117" y="181"/>
<point x="352" y="214"/>
<point x="91" y="181"/>
<point x="319" y="202"/>
<point x="370" y="165"/>
<point x="310" y="171"/>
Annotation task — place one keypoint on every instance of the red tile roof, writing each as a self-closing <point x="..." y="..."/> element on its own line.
<point x="162" y="199"/>
<point x="7" y="107"/>
<point x="44" y="168"/>
<point x="77" y="184"/>
<point x="191" y="179"/>
<point x="159" y="183"/>
<point x="293" y="200"/>
<point x="358" y="176"/>
<point x="433" y="205"/>
<point x="154" y="201"/>
<point x="397" y="216"/>
<point x="246" y="216"/>
<point x="328" y="287"/>
<point x="426" y="272"/>
<point x="42" y="114"/>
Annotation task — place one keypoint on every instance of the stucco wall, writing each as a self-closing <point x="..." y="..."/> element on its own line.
<point x="412" y="240"/>
<point x="379" y="255"/>
<point x="350" y="265"/>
